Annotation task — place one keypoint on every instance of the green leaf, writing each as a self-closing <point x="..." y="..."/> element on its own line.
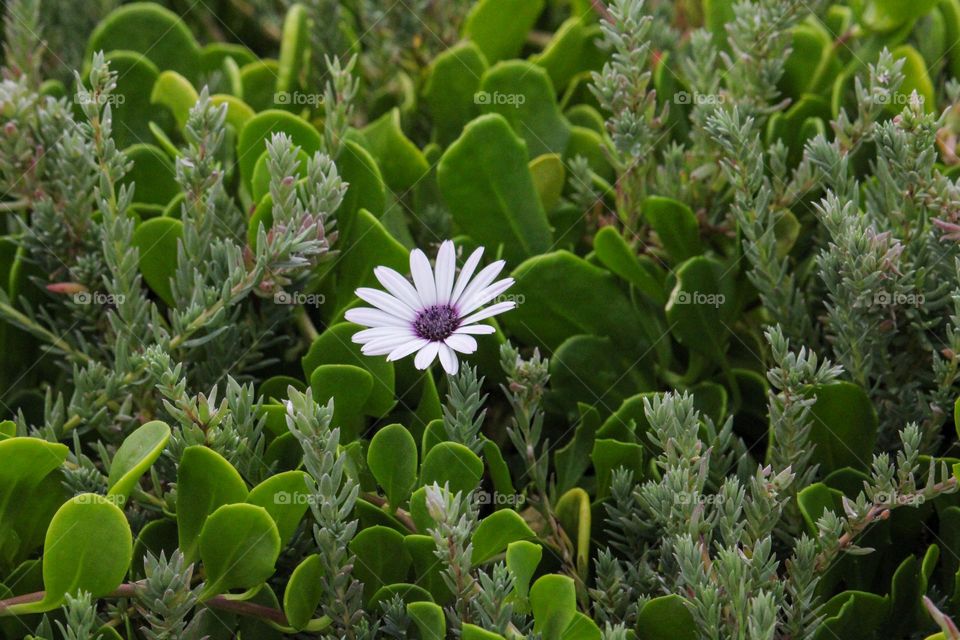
<point x="572" y="50"/>
<point x="612" y="250"/>
<point x="676" y="226"/>
<point x="304" y="592"/>
<point x="366" y="246"/>
<point x="153" y="173"/>
<point x="886" y="15"/>
<point x="500" y="27"/>
<point x="239" y="546"/>
<point x="135" y="456"/>
<point x="495" y="532"/>
<point x="381" y="558"/>
<point x="522" y="93"/>
<point x="334" y="346"/>
<point x="573" y="512"/>
<point x="852" y="614"/>
<point x="667" y="618"/>
<point x="454" y="463"/>
<point x="133" y="112"/>
<point x="157" y="240"/>
<point x="173" y="91"/>
<point x="701" y="307"/>
<point x="429" y="619"/>
<point x="844" y="426"/>
<point x="365" y="191"/>
<point x="350" y="388"/>
<point x="285" y="497"/>
<point x="486" y="183"/>
<point x="294" y="50"/>
<point x="88" y="547"/>
<point x="426" y="568"/>
<point x="205" y="481"/>
<point x="915" y="78"/>
<point x="404" y="590"/>
<point x="816" y="498"/>
<point x="581" y="628"/>
<point x="549" y="177"/>
<point x="392" y="458"/>
<point x="473" y="632"/>
<point x="401" y="162"/>
<point x="523" y="557"/>
<point x="573" y="459"/>
<point x="451" y="88"/>
<point x="553" y="599"/>
<point x="259" y="80"/>
<point x="260" y="129"/>
<point x="152" y="30"/>
<point x="609" y="455"/>
<point x="547" y="282"/>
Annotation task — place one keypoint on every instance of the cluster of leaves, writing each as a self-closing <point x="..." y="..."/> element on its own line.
<point x="721" y="408"/>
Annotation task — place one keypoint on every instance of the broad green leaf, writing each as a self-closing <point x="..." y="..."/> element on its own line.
<point x="813" y="64"/>
<point x="522" y="559"/>
<point x="350" y="388"/>
<point x="153" y="173"/>
<point x="915" y="78"/>
<point x="285" y="496"/>
<point x="425" y="566"/>
<point x="701" y="307"/>
<point x="500" y="27"/>
<point x="676" y="226"/>
<point x="814" y="499"/>
<point x="609" y="455"/>
<point x="486" y="183"/>
<point x="581" y="628"/>
<point x="547" y="282"/>
<point x="135" y="456"/>
<point x="157" y="240"/>
<point x="381" y="558"/>
<point x="454" y="463"/>
<point x="401" y="162"/>
<point x="572" y="50"/>
<point x="173" y="91"/>
<point x="205" y="481"/>
<point x="334" y="346"/>
<point x="553" y="599"/>
<point x="495" y="532"/>
<point x="429" y="619"/>
<point x="451" y="89"/>
<point x="617" y="256"/>
<point x="260" y="129"/>
<point x="667" y="618"/>
<point x="131" y="108"/>
<point x="259" y="81"/>
<point x="852" y="614"/>
<point x="522" y="93"/>
<point x="364" y="247"/>
<point x="239" y="545"/>
<point x="304" y="591"/>
<point x="404" y="590"/>
<point x="886" y="15"/>
<point x="238" y="111"/>
<point x="392" y="458"/>
<point x="152" y="30"/>
<point x="549" y="177"/>
<point x="573" y="459"/>
<point x="366" y="189"/>
<point x="473" y="632"/>
<point x="843" y="426"/>
<point x="88" y="547"/>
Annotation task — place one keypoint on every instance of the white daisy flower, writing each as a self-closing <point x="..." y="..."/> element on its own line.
<point x="437" y="315"/>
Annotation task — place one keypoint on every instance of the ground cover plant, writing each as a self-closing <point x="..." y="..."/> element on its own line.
<point x="557" y="319"/>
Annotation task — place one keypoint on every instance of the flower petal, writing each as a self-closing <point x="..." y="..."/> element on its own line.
<point x="374" y="318"/>
<point x="487" y="275"/>
<point x="423" y="277"/>
<point x="483" y="297"/>
<point x="399" y="286"/>
<point x="465" y="274"/>
<point x="378" y="332"/>
<point x="476" y="329"/>
<point x="483" y="314"/>
<point x="462" y="343"/>
<point x="448" y="359"/>
<point x="383" y="346"/>
<point x="446" y="269"/>
<point x="387" y="303"/>
<point x="426" y="355"/>
<point x="414" y="344"/>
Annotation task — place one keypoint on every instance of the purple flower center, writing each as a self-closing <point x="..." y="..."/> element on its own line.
<point x="436" y="323"/>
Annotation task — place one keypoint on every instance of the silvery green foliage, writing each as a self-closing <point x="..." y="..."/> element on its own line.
<point x="463" y="415"/>
<point x="334" y="496"/>
<point x="455" y="516"/>
<point x="166" y="596"/>
<point x="81" y="618"/>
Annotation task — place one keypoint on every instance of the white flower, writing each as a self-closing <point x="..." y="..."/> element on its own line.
<point x="434" y="316"/>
